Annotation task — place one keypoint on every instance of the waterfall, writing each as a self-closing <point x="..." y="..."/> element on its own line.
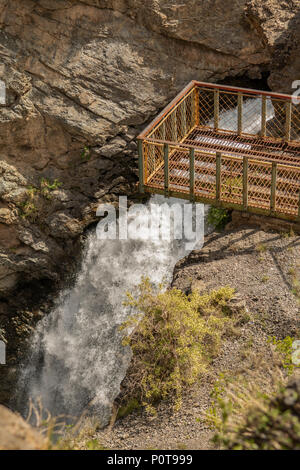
<point x="77" y="361"/>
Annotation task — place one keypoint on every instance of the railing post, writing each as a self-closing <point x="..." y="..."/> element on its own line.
<point x="218" y="175"/>
<point x="192" y="175"/>
<point x="240" y="113"/>
<point x="245" y="182"/>
<point x="216" y="109"/>
<point x="288" y="122"/>
<point x="273" y="187"/>
<point x="166" y="169"/>
<point x="263" y="116"/>
<point x="141" y="166"/>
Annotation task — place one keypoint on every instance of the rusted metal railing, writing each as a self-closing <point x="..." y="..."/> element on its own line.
<point x="231" y="147"/>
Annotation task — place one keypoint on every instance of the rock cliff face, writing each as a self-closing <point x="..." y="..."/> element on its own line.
<point x="82" y="78"/>
<point x="278" y="25"/>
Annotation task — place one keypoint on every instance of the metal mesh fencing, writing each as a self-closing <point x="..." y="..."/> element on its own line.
<point x="154" y="158"/>
<point x="205" y="175"/>
<point x="287" y="190"/>
<point x="177" y="124"/>
<point x="232" y="180"/>
<point x="259" y="184"/>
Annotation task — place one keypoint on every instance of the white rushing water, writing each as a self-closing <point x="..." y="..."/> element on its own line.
<point x="251" y="117"/>
<point x="77" y="361"/>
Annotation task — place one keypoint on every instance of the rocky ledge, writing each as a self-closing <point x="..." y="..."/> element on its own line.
<point x="16" y="434"/>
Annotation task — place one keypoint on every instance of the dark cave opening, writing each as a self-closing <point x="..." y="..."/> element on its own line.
<point x="244" y="81"/>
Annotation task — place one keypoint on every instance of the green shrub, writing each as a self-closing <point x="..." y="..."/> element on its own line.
<point x="284" y="347"/>
<point x="296" y="287"/>
<point x="232" y="397"/>
<point x="247" y="410"/>
<point x="28" y="208"/>
<point x="47" y="187"/>
<point x="86" y="153"/>
<point x="172" y="337"/>
<point x="128" y="408"/>
<point x="31" y="207"/>
<point x="273" y="424"/>
<point x="218" y="217"/>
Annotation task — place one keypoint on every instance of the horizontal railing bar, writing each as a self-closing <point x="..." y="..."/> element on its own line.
<point x="247" y="95"/>
<point x="250" y="91"/>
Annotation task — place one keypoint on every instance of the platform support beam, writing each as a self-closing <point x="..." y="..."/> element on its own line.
<point x="166" y="169"/>
<point x="273" y="187"/>
<point x="245" y="182"/>
<point x="216" y="109"/>
<point x="141" y="166"/>
<point x="288" y="122"/>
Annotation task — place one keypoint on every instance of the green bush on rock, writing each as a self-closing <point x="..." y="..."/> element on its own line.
<point x="218" y="217"/>
<point x="172" y="337"/>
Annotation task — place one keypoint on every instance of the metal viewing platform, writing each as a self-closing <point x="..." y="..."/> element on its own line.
<point x="225" y="146"/>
